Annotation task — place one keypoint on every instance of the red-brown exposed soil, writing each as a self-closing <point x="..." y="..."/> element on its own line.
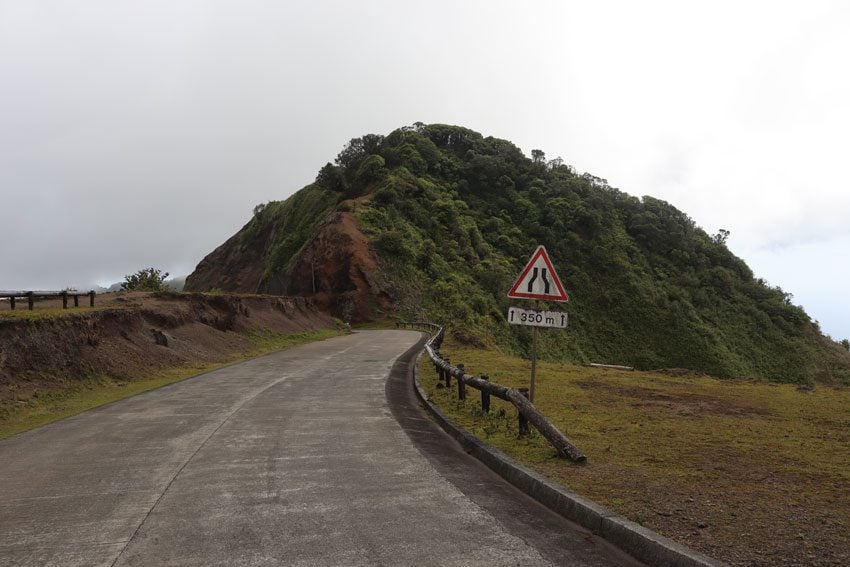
<point x="339" y="271"/>
<point x="235" y="266"/>
<point x="337" y="268"/>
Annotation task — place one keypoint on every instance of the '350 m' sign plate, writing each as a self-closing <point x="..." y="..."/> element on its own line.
<point x="554" y="319"/>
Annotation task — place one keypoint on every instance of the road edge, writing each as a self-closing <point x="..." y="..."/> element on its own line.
<point x="639" y="542"/>
<point x="191" y="374"/>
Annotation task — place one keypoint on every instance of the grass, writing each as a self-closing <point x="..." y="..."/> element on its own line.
<point x="77" y="396"/>
<point x="746" y="471"/>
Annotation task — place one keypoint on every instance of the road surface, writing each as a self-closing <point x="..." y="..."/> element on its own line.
<point x="296" y="458"/>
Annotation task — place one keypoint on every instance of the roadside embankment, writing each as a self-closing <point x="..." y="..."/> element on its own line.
<point x="132" y="336"/>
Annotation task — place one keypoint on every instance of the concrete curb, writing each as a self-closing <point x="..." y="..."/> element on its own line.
<point x="636" y="540"/>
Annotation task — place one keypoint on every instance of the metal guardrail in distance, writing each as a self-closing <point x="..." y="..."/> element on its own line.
<point x="31" y="296"/>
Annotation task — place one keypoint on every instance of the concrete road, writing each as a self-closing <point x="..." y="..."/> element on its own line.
<point x="295" y="458"/>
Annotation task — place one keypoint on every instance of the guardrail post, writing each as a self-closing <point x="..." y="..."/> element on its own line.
<point x="485" y="396"/>
<point x="30" y="300"/>
<point x="461" y="385"/>
<point x="76" y="300"/>
<point x="91" y="298"/>
<point x="447" y="373"/>
<point x="12" y="302"/>
<point x="65" y="299"/>
<point x="523" y="422"/>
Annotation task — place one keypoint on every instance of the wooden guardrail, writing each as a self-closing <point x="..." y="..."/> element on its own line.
<point x="31" y="296"/>
<point x="527" y="413"/>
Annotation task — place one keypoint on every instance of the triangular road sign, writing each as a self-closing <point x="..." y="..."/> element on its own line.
<point x="538" y="280"/>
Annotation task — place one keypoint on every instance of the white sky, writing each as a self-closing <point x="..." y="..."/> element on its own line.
<point x="143" y="133"/>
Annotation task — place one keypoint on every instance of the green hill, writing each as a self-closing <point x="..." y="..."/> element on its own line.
<point x="451" y="217"/>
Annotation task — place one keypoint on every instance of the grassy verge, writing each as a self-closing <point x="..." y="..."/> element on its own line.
<point x="77" y="396"/>
<point x="749" y="472"/>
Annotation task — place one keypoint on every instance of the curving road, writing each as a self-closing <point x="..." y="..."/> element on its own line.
<point x="295" y="458"/>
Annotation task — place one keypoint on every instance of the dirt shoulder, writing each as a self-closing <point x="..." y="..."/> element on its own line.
<point x="131" y="335"/>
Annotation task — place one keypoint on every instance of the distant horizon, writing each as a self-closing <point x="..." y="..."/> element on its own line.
<point x="832" y="328"/>
<point x="88" y="287"/>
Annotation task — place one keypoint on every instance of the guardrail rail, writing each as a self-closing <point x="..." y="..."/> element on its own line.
<point x="31" y="296"/>
<point x="527" y="413"/>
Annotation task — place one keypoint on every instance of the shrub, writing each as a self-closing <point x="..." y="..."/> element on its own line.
<point x="148" y="279"/>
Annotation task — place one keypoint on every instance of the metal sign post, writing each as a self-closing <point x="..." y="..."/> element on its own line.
<point x="537" y="281"/>
<point x="534" y="331"/>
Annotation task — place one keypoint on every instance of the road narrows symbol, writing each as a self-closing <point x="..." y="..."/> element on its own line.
<point x="532" y="280"/>
<point x="538" y="280"/>
<point x="545" y="282"/>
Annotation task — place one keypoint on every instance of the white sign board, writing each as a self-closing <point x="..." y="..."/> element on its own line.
<point x="553" y="319"/>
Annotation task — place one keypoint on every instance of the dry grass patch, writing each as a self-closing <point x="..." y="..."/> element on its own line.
<point x="749" y="472"/>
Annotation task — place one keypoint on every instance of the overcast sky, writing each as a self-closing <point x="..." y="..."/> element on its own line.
<point x="137" y="134"/>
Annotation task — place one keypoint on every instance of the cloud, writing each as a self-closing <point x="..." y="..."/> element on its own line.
<point x="817" y="274"/>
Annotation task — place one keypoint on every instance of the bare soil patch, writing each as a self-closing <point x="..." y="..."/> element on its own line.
<point x="339" y="270"/>
<point x="680" y="404"/>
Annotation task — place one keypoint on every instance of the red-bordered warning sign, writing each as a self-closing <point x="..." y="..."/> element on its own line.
<point x="538" y="280"/>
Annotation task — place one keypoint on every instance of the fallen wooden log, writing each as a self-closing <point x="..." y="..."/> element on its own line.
<point x="610" y="366"/>
<point x="545" y="427"/>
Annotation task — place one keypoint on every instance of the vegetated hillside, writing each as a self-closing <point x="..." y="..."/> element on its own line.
<point x="452" y="217"/>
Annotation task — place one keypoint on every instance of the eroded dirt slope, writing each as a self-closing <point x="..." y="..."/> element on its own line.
<point x="130" y="334"/>
<point x="337" y="268"/>
<point x="237" y="266"/>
